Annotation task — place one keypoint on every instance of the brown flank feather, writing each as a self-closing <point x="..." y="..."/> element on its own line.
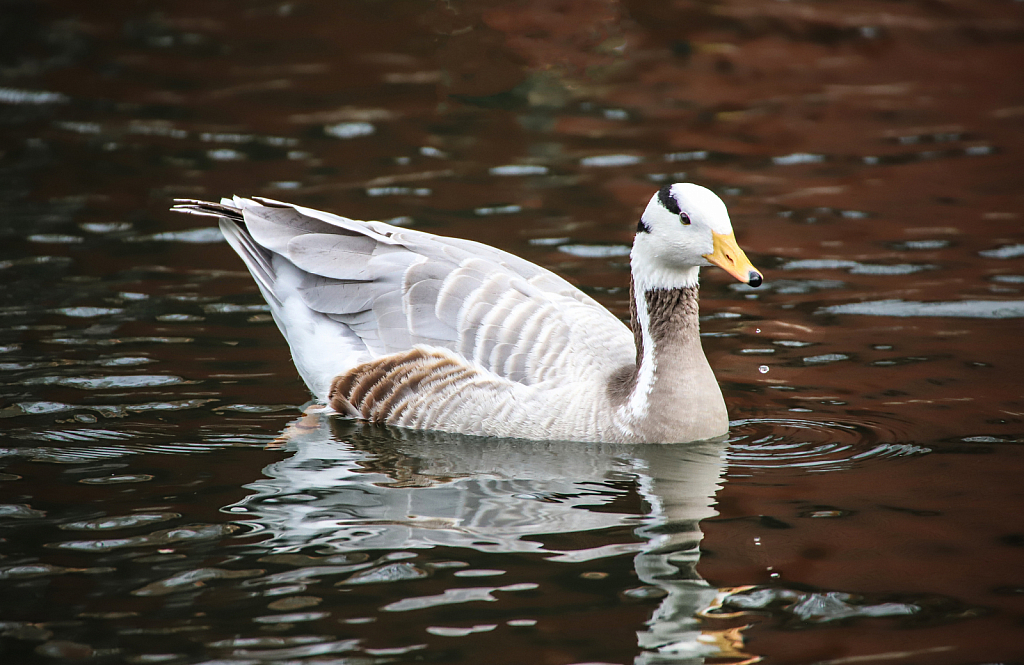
<point x="380" y="390"/>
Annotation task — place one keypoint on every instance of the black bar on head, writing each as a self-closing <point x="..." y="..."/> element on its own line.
<point x="667" y="200"/>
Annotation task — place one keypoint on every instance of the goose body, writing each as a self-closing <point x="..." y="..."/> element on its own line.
<point x="407" y="328"/>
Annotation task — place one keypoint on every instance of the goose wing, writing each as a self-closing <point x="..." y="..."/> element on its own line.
<point x="393" y="289"/>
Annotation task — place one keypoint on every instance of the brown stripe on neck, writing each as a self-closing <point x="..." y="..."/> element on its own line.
<point x="671" y="314"/>
<point x="634" y="323"/>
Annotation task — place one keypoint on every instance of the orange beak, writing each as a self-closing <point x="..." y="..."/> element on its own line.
<point x="728" y="256"/>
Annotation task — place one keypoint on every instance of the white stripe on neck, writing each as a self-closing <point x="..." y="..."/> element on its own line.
<point x="647" y="277"/>
<point x="639" y="399"/>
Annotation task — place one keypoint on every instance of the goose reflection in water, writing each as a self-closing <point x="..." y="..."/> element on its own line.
<point x="349" y="487"/>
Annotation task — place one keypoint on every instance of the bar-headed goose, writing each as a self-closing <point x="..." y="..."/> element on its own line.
<point x="412" y="329"/>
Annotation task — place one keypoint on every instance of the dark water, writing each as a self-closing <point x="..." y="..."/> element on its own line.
<point x="164" y="500"/>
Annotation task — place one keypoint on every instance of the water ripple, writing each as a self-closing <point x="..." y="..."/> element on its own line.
<point x="76" y="455"/>
<point x="33" y="570"/>
<point x="305" y="651"/>
<point x="190" y="533"/>
<point x="192" y="579"/>
<point x="392" y="572"/>
<point x="970" y="309"/>
<point x="107" y="382"/>
<point x="19" y="511"/>
<point x="79" y="435"/>
<point x="455" y="597"/>
<point x="105" y="410"/>
<point x="806" y="609"/>
<point x="119" y="522"/>
<point x="772" y="443"/>
<point x="595" y="251"/>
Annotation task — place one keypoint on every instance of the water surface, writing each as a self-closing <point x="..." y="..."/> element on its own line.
<point x="164" y="499"/>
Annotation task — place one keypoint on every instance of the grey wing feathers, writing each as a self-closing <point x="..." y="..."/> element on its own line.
<point x="257" y="259"/>
<point x="396" y="288"/>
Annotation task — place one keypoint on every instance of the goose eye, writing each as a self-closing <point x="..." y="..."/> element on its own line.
<point x="684" y="218"/>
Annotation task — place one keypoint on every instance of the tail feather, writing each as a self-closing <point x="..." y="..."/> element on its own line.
<point x="257" y="259"/>
<point x="321" y="347"/>
<point x="207" y="209"/>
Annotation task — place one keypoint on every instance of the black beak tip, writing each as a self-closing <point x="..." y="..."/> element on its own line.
<point x="754" y="279"/>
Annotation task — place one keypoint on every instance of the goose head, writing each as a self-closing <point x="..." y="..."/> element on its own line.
<point x="684" y="227"/>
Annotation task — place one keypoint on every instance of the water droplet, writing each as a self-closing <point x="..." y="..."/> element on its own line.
<point x="763" y="369"/>
<point x="757" y="330"/>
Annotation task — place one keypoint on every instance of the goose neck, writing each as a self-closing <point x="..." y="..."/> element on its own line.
<point x="666" y="331"/>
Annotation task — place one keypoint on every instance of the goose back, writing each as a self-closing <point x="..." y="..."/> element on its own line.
<point x="383" y="290"/>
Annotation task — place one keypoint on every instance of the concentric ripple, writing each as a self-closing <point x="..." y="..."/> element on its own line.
<point x="772" y="443"/>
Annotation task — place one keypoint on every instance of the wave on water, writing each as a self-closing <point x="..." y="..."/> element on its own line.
<point x="970" y="309"/>
<point x="773" y="443"/>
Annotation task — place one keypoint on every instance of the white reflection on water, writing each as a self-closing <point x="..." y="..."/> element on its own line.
<point x="353" y="488"/>
<point x="855" y="267"/>
<point x="969" y="309"/>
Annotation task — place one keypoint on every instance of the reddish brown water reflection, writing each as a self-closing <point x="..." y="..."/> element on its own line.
<point x="868" y="152"/>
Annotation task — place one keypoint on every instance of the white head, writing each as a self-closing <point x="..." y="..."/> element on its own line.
<point x="686" y="226"/>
